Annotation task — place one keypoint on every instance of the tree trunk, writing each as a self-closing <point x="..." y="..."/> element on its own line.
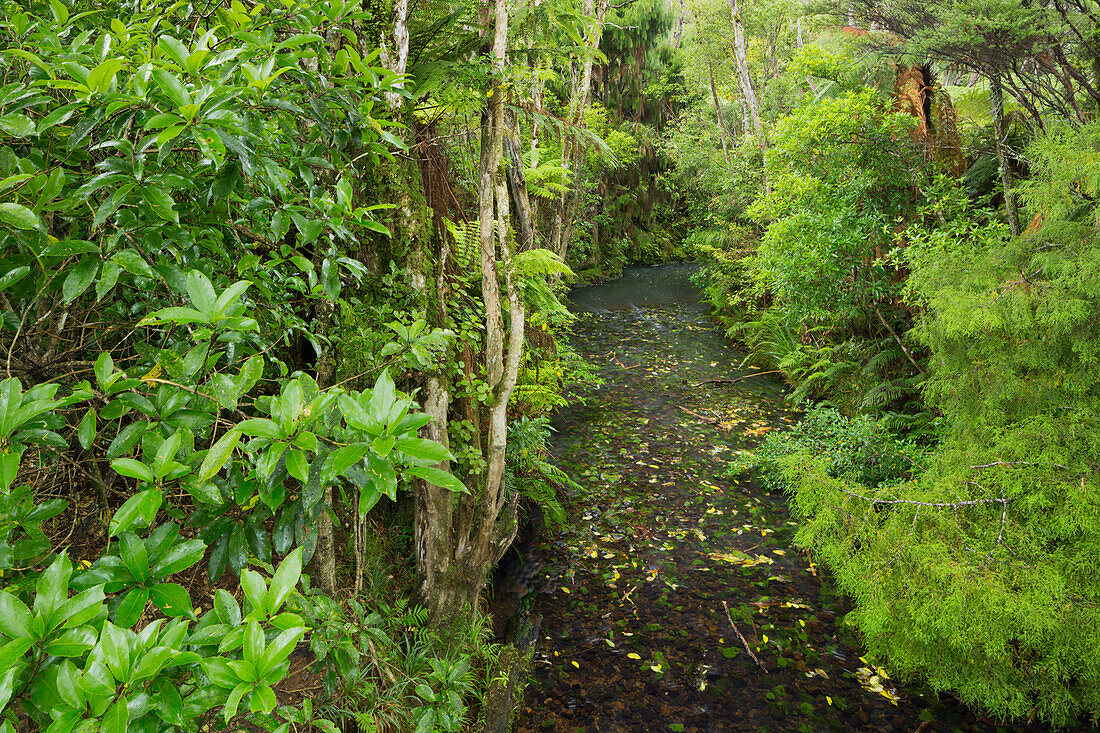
<point x="996" y="103"/>
<point x="572" y="152"/>
<point x="718" y="111"/>
<point x="456" y="546"/>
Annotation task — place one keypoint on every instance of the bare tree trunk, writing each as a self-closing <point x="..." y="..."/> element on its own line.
<point x="809" y="79"/>
<point x="718" y="110"/>
<point x="747" y="90"/>
<point x="572" y="152"/>
<point x="996" y="103"/>
<point x="395" y="49"/>
<point x="456" y="548"/>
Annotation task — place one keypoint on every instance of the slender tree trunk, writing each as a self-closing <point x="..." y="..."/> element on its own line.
<point x="996" y="103"/>
<point x="572" y="152"/>
<point x="747" y="90"/>
<point x="718" y="111"/>
<point x="456" y="548"/>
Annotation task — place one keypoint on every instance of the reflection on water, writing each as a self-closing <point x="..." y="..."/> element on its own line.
<point x="640" y="287"/>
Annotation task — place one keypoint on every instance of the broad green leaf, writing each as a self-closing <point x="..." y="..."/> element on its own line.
<point x="172" y="87"/>
<point x="15" y="617"/>
<point x="104" y="367"/>
<point x="141" y="507"/>
<point x="73" y="642"/>
<point x="172" y="599"/>
<point x="132" y="606"/>
<point x="285" y="580"/>
<point x="16" y="125"/>
<point x="16" y="216"/>
<point x="382" y="445"/>
<point x="297" y="465"/>
<point x="437" y="477"/>
<point x="226" y="607"/>
<point x="133" y="469"/>
<point x="234" y="700"/>
<point x="133" y="553"/>
<point x="162" y="203"/>
<point x="86" y="431"/>
<point x="423" y="449"/>
<point x="179" y="558"/>
<point x="255" y="590"/>
<point x="13" y="276"/>
<point x="218" y="455"/>
<point x="262" y="700"/>
<point x="79" y="278"/>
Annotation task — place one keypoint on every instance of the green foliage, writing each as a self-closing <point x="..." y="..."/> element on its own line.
<point x="977" y="574"/>
<point x="858" y="450"/>
<point x="529" y="470"/>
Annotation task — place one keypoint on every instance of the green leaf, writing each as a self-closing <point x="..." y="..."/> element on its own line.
<point x="285" y="580"/>
<point x="104" y="366"/>
<point x="162" y="203"/>
<point x="218" y="455"/>
<point x="437" y="477"/>
<point x="133" y="553"/>
<point x="81" y="608"/>
<point x="86" y="431"/>
<point x="117" y="718"/>
<point x="108" y="277"/>
<point x="79" y="278"/>
<point x="73" y="643"/>
<point x="341" y="459"/>
<point x="172" y="599"/>
<point x="423" y="449"/>
<point x="383" y="444"/>
<point x="219" y="672"/>
<point x="278" y="650"/>
<point x="297" y="465"/>
<point x="13" y="276"/>
<point x="133" y="469"/>
<point x="16" y="125"/>
<point x="132" y="606"/>
<point x="15" y="617"/>
<point x="18" y="217"/>
<point x="227" y="609"/>
<point x="133" y="263"/>
<point x="262" y="700"/>
<point x="127" y="438"/>
<point x="234" y="700"/>
<point x="255" y="590"/>
<point x="201" y="292"/>
<point x="172" y="87"/>
<point x="179" y="558"/>
<point x="141" y="507"/>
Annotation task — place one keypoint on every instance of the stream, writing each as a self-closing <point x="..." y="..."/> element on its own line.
<point x="675" y="599"/>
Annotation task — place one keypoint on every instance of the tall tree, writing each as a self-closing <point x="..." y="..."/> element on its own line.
<point x="456" y="545"/>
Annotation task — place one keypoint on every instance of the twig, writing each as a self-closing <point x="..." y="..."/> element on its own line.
<point x="734" y="381"/>
<point x="708" y="420"/>
<point x="1018" y="463"/>
<point x="743" y="642"/>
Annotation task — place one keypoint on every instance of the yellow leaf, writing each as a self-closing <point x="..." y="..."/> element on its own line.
<point x="632" y="655"/>
<point x="765" y="638"/>
<point x="828" y="699"/>
<point x="575" y="665"/>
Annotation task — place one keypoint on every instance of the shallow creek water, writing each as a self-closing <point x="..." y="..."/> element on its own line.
<point x="633" y="595"/>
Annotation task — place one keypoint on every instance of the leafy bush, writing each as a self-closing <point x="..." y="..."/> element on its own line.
<point x="859" y="449"/>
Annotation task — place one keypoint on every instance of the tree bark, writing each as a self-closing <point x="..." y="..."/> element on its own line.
<point x="718" y="111"/>
<point x="996" y="103"/>
<point x="572" y="151"/>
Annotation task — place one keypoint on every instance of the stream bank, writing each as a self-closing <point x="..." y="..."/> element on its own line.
<point x="674" y="599"/>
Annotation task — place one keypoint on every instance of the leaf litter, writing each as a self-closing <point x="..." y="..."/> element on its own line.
<point x="633" y="593"/>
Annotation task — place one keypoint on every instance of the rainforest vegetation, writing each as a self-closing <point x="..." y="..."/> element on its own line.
<point x="282" y="330"/>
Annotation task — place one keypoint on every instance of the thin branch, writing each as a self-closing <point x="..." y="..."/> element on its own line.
<point x="742" y="638"/>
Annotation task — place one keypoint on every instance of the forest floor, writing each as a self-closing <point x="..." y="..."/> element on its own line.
<point x="675" y="599"/>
